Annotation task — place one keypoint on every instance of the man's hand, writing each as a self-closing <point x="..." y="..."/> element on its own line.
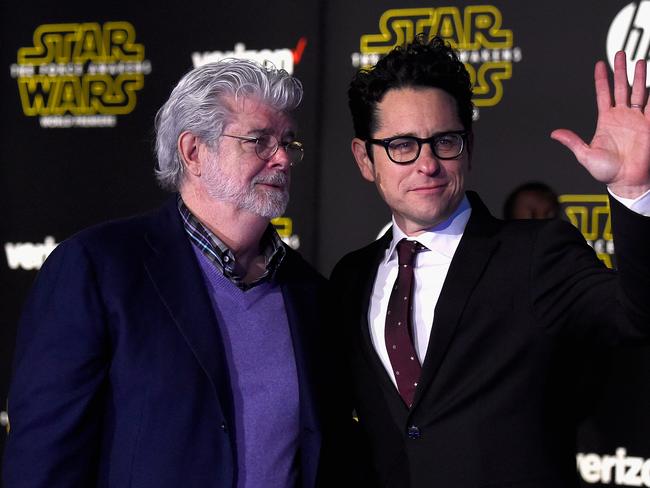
<point x="619" y="153"/>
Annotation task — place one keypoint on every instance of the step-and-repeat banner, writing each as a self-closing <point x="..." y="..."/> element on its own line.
<point x="80" y="87"/>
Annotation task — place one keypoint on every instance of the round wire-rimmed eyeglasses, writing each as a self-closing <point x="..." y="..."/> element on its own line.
<point x="267" y="145"/>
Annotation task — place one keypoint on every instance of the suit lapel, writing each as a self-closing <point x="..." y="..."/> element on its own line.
<point x="375" y="254"/>
<point x="176" y="276"/>
<point x="300" y="305"/>
<point x="366" y="287"/>
<point x="473" y="253"/>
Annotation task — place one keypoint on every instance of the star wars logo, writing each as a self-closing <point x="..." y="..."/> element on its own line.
<point x="80" y="75"/>
<point x="476" y="32"/>
<point x="590" y="215"/>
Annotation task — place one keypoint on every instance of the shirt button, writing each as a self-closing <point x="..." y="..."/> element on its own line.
<point x="223" y="427"/>
<point x="413" y="432"/>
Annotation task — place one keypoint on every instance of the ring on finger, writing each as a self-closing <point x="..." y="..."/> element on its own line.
<point x="636" y="105"/>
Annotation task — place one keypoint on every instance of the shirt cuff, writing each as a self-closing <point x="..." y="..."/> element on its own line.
<point x="640" y="205"/>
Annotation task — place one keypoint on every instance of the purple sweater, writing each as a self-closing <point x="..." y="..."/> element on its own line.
<point x="263" y="376"/>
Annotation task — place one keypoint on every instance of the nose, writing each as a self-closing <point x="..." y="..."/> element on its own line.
<point x="280" y="159"/>
<point x="427" y="162"/>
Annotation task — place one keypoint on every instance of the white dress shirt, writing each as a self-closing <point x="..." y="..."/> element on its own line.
<point x="640" y="205"/>
<point x="430" y="270"/>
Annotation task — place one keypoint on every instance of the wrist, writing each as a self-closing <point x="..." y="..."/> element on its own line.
<point x="630" y="192"/>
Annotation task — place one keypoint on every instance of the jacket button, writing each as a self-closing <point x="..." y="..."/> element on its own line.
<point x="413" y="432"/>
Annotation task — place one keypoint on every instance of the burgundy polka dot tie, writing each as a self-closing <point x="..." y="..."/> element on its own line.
<point x="398" y="331"/>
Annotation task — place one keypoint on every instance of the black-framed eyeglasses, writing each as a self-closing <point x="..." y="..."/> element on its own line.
<point x="406" y="149"/>
<point x="267" y="145"/>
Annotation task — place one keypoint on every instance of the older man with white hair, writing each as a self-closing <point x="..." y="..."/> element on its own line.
<point x="181" y="348"/>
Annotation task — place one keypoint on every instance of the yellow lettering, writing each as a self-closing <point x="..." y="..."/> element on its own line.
<point x="488" y="85"/>
<point x="88" y="95"/>
<point x="120" y="98"/>
<point x="34" y="92"/>
<point x="283" y="226"/>
<point x="587" y="218"/>
<point x="64" y="43"/>
<point x="397" y="26"/>
<point x="480" y="26"/>
<point x="52" y="43"/>
<point x="67" y="97"/>
<point x="448" y="24"/>
<point x="119" y="37"/>
<point x="587" y="213"/>
<point x="97" y="86"/>
<point x="483" y="28"/>
<point x="89" y="45"/>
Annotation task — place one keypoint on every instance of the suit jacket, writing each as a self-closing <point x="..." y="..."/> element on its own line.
<point x="493" y="406"/>
<point x="120" y="378"/>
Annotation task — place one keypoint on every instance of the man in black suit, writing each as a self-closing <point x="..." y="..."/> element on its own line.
<point x="461" y="380"/>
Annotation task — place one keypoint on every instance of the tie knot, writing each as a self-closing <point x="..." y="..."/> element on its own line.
<point x="406" y="251"/>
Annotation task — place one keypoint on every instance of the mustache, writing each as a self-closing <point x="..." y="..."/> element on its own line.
<point x="275" y="179"/>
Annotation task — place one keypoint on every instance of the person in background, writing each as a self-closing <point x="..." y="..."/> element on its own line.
<point x="589" y="365"/>
<point x="182" y="348"/>
<point x="532" y="200"/>
<point x="457" y="326"/>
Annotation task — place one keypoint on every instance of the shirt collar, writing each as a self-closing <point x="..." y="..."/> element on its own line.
<point x="222" y="257"/>
<point x="442" y="238"/>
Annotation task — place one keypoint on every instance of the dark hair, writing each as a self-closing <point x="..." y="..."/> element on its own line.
<point x="421" y="63"/>
<point x="533" y="186"/>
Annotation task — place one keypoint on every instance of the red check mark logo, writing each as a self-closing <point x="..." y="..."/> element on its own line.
<point x="299" y="50"/>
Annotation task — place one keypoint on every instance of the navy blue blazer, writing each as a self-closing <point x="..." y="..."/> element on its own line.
<point x="119" y="375"/>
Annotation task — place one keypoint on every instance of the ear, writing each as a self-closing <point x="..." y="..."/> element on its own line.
<point x="363" y="160"/>
<point x="188" y="148"/>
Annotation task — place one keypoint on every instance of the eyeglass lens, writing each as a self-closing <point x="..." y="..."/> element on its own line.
<point x="267" y="145"/>
<point x="406" y="149"/>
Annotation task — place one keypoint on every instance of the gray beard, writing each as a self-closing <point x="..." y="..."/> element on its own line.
<point x="265" y="202"/>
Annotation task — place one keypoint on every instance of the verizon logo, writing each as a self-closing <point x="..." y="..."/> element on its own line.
<point x="29" y="255"/>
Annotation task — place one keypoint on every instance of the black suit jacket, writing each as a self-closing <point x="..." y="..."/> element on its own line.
<point x="494" y="402"/>
<point x="120" y="377"/>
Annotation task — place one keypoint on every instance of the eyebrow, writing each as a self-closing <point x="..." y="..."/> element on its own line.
<point x="267" y="130"/>
<point x="411" y="134"/>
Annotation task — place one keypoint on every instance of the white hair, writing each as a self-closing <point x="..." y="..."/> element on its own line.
<point x="197" y="104"/>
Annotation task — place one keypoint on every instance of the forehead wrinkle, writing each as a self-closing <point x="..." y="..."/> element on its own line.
<point x="262" y="121"/>
<point x="401" y="116"/>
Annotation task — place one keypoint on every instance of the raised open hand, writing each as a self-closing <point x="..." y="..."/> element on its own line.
<point x="619" y="153"/>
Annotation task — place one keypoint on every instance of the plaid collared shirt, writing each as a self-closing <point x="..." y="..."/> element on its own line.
<point x="222" y="257"/>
